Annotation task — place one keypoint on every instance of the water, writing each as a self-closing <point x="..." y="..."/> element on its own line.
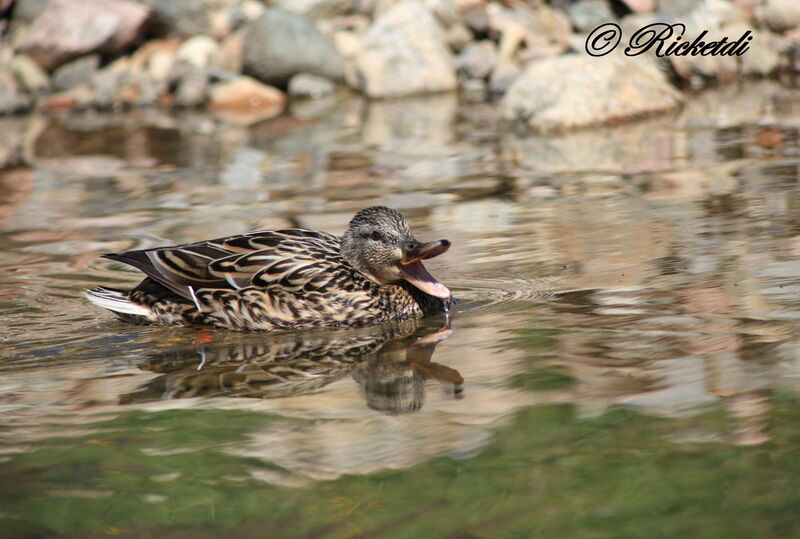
<point x="623" y="361"/>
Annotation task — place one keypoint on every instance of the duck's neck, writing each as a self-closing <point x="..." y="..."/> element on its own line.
<point x="429" y="304"/>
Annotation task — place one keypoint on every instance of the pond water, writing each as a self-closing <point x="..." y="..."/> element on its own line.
<point x="624" y="360"/>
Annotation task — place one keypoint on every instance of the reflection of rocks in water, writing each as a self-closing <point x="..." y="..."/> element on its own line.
<point x="390" y="363"/>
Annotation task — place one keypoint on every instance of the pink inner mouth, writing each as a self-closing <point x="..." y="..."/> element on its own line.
<point x="416" y="274"/>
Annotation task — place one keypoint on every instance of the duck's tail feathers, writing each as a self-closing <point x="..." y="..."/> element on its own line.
<point x="115" y="300"/>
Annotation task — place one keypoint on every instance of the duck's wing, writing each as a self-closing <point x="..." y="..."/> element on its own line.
<point x="291" y="258"/>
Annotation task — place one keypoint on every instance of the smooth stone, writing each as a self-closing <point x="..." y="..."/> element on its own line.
<point x="107" y="83"/>
<point x="192" y="87"/>
<point x="780" y="15"/>
<point x="311" y="86"/>
<point x="28" y="10"/>
<point x="475" y="90"/>
<point x="477" y="19"/>
<point x="200" y="51"/>
<point x="503" y="76"/>
<point x="280" y="44"/>
<point x="245" y="101"/>
<point x="182" y="17"/>
<point x="477" y="59"/>
<point x="103" y="26"/>
<point x="317" y="9"/>
<point x="762" y="57"/>
<point x="32" y="77"/>
<point x="575" y="91"/>
<point x="404" y="52"/>
<point x="75" y="72"/>
<point x="12" y="99"/>
<point x="586" y="15"/>
<point x="459" y="36"/>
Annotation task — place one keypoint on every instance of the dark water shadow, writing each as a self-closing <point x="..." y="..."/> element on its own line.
<point x="390" y="364"/>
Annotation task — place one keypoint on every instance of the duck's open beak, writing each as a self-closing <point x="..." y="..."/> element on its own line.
<point x="412" y="270"/>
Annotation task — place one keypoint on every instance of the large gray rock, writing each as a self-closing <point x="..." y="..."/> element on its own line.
<point x="104" y="26"/>
<point x="405" y="52"/>
<point x="574" y="91"/>
<point x="280" y="44"/>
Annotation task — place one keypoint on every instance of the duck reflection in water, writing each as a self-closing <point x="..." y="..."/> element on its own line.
<point x="390" y="364"/>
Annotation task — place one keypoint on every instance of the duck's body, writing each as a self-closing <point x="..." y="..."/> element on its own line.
<point x="285" y="279"/>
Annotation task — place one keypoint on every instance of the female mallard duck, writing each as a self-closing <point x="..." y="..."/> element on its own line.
<point x="285" y="279"/>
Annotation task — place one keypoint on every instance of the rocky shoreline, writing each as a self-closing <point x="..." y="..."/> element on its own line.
<point x="246" y="59"/>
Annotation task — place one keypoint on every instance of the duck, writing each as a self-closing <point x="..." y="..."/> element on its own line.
<point x="293" y="278"/>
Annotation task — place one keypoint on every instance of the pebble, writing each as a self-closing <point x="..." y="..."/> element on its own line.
<point x="245" y="100"/>
<point x="404" y="52"/>
<point x="76" y="72"/>
<point x="310" y="86"/>
<point x="33" y="78"/>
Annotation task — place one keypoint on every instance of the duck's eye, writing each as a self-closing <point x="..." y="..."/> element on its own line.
<point x="376" y="236"/>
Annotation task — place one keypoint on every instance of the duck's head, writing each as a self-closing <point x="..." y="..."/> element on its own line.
<point x="379" y="243"/>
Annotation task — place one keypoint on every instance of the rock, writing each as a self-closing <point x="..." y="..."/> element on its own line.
<point x="10" y="151"/>
<point x="762" y="58"/>
<point x="104" y="26"/>
<point x="12" y="99"/>
<point x="27" y="10"/>
<point x="245" y="100"/>
<point x="458" y="37"/>
<point x="539" y="26"/>
<point x="697" y="68"/>
<point x="475" y="90"/>
<point x="347" y="43"/>
<point x="503" y="75"/>
<point x="445" y="11"/>
<point x="317" y="9"/>
<point x="477" y="59"/>
<point x="575" y="91"/>
<point x="781" y="15"/>
<point x="76" y="72"/>
<point x="640" y="6"/>
<point x="677" y="9"/>
<point x="404" y="52"/>
<point x="586" y="15"/>
<point x="477" y="19"/>
<point x="107" y="83"/>
<point x="81" y="96"/>
<point x="232" y="49"/>
<point x="141" y="58"/>
<point x="32" y="77"/>
<point x="182" y="17"/>
<point x="192" y="87"/>
<point x="160" y="65"/>
<point x="312" y="86"/>
<point x="200" y="51"/>
<point x="139" y="89"/>
<point x="280" y="44"/>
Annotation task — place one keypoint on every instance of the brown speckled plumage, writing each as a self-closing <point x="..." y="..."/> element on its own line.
<point x="284" y="279"/>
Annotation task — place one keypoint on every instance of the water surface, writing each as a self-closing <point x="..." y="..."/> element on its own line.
<point x="623" y="363"/>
